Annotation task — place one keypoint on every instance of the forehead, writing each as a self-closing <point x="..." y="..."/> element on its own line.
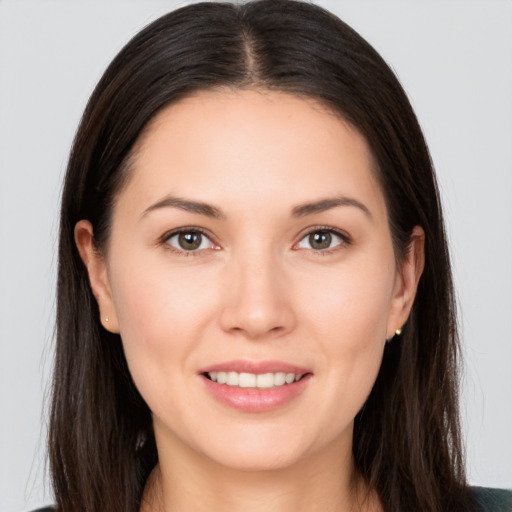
<point x="225" y="145"/>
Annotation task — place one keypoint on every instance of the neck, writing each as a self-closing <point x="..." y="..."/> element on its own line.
<point x="195" y="484"/>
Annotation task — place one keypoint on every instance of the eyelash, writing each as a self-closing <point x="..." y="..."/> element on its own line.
<point x="345" y="240"/>
<point x="187" y="230"/>
<point x="344" y="237"/>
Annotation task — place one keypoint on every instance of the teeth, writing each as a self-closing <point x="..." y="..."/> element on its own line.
<point x="252" y="380"/>
<point x="265" y="380"/>
<point x="232" y="379"/>
<point x="246" y="380"/>
<point x="279" y="378"/>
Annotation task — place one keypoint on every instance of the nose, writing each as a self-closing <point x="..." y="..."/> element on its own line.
<point x="257" y="298"/>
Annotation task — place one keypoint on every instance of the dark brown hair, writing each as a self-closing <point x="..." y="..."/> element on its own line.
<point x="407" y="441"/>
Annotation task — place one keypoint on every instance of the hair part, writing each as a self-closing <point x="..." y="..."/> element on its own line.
<point x="407" y="442"/>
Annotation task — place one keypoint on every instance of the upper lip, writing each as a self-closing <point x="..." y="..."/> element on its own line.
<point x="256" y="367"/>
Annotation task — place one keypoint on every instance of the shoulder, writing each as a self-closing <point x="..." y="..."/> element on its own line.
<point x="492" y="500"/>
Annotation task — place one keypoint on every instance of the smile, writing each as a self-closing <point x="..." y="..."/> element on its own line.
<point x="253" y="380"/>
<point x="255" y="386"/>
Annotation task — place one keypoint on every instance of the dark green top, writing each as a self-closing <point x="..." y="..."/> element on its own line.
<point x="492" y="500"/>
<point x="486" y="500"/>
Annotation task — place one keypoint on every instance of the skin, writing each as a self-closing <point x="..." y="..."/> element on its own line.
<point x="256" y="289"/>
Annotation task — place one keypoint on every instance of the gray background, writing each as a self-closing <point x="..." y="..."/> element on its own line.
<point x="454" y="59"/>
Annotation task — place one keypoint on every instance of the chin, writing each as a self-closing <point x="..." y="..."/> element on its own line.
<point x="261" y="449"/>
<point x="257" y="460"/>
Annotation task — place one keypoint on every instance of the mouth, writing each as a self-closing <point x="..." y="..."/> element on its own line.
<point x="255" y="386"/>
<point x="253" y="380"/>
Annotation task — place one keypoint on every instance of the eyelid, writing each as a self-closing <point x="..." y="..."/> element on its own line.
<point x="345" y="237"/>
<point x="187" y="229"/>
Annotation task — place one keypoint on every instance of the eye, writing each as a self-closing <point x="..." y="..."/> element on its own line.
<point x="190" y="240"/>
<point x="322" y="240"/>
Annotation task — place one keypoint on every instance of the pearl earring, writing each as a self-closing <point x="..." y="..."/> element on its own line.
<point x="106" y="319"/>
<point x="397" y="333"/>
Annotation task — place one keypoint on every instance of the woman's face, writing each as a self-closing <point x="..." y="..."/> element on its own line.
<point x="251" y="243"/>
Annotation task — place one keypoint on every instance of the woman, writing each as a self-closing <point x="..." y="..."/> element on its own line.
<point x="254" y="300"/>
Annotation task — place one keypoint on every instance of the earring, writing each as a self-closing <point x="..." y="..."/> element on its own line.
<point x="106" y="319"/>
<point x="397" y="333"/>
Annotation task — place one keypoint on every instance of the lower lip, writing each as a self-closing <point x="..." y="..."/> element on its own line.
<point x="256" y="399"/>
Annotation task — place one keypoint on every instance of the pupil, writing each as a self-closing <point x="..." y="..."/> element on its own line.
<point x="320" y="240"/>
<point x="189" y="241"/>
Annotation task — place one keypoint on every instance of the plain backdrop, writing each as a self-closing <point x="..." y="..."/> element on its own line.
<point x="454" y="59"/>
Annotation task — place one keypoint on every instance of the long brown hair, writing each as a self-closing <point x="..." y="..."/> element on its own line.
<point x="407" y="440"/>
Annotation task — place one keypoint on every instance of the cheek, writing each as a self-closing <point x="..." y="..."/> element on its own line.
<point x="156" y="300"/>
<point x="163" y="315"/>
<point x="352" y="304"/>
<point x="349" y="320"/>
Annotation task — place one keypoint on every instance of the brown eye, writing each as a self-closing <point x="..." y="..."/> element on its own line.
<point x="323" y="239"/>
<point x="189" y="241"/>
<point x="320" y="240"/>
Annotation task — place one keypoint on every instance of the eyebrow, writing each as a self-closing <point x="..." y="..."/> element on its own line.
<point x="187" y="205"/>
<point x="301" y="210"/>
<point x="326" y="204"/>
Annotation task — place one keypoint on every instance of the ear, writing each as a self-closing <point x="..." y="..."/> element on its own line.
<point x="98" y="277"/>
<point x="406" y="283"/>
